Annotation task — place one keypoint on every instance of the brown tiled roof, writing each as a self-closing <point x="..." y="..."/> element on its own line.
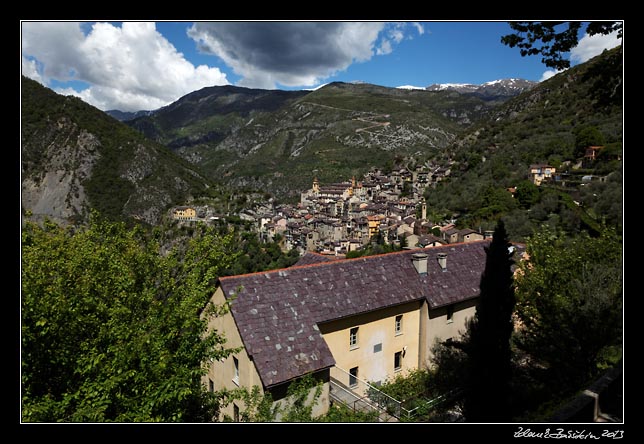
<point x="277" y="311"/>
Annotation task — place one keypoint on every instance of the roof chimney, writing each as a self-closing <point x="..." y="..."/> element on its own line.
<point x="420" y="263"/>
<point x="442" y="260"/>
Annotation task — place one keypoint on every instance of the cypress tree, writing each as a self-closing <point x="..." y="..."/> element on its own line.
<point x="489" y="357"/>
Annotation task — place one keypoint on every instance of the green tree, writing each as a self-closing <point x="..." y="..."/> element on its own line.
<point x="488" y="394"/>
<point x="301" y="396"/>
<point x="587" y="136"/>
<point x="569" y="301"/>
<point x="479" y="360"/>
<point x="527" y="193"/>
<point x="111" y="329"/>
<point x="554" y="39"/>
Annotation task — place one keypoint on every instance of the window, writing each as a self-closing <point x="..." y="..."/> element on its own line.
<point x="353" y="377"/>
<point x="397" y="361"/>
<point x="399" y="325"/>
<point x="236" y="374"/>
<point x="450" y="314"/>
<point x="235" y="413"/>
<point x="353" y="338"/>
<point x="211" y="385"/>
<point x="377" y="348"/>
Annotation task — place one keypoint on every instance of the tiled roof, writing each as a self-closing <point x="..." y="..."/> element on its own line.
<point x="313" y="258"/>
<point x="277" y="312"/>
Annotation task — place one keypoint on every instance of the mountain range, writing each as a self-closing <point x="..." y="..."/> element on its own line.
<point x="277" y="141"/>
<point x="495" y="90"/>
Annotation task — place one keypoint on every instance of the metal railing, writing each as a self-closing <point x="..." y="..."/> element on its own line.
<point x="363" y="396"/>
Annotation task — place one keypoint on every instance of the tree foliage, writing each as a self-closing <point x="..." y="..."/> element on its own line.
<point x="479" y="361"/>
<point x="554" y="39"/>
<point x="111" y="329"/>
<point x="586" y="136"/>
<point x="302" y="395"/>
<point x="527" y="193"/>
<point x="488" y="350"/>
<point x="569" y="302"/>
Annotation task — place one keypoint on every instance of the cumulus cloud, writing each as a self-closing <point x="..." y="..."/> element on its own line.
<point x="549" y="73"/>
<point x="132" y="67"/>
<point x="588" y="47"/>
<point x="30" y="69"/>
<point x="267" y="54"/>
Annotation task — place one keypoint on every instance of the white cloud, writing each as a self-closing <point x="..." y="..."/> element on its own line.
<point x="588" y="47"/>
<point x="30" y="69"/>
<point x="267" y="54"/>
<point x="549" y="73"/>
<point x="385" y="48"/>
<point x="132" y="67"/>
<point x="419" y="27"/>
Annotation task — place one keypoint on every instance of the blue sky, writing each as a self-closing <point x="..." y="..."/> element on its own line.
<point x="132" y="66"/>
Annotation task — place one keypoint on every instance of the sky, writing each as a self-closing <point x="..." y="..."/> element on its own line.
<point x="132" y="66"/>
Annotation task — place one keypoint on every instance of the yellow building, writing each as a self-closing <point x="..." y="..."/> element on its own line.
<point x="184" y="213"/>
<point x="352" y="323"/>
<point x="374" y="224"/>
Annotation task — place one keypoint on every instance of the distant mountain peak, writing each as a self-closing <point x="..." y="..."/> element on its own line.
<point x="494" y="89"/>
<point x="459" y="87"/>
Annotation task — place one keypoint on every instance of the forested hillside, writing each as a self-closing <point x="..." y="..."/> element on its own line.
<point x="551" y="124"/>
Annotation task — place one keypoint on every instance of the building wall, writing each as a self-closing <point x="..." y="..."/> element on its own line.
<point x="375" y="328"/>
<point x="440" y="328"/>
<point x="321" y="407"/>
<point x="222" y="373"/>
<point x="471" y="237"/>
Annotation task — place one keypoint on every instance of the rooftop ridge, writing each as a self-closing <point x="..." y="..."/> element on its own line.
<point x="372" y="257"/>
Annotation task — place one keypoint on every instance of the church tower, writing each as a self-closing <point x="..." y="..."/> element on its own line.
<point x="316" y="185"/>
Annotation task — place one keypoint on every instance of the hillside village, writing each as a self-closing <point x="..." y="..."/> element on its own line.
<point x="338" y="218"/>
<point x="388" y="208"/>
<point x="335" y="219"/>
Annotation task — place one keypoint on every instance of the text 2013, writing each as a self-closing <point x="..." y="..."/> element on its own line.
<point x="567" y="434"/>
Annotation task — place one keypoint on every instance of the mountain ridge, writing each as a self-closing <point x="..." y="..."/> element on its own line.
<point x="76" y="158"/>
<point x="502" y="89"/>
<point x="339" y="129"/>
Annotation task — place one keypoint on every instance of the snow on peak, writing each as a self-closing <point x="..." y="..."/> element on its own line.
<point x="506" y="81"/>
<point x="410" y="87"/>
<point x="454" y="85"/>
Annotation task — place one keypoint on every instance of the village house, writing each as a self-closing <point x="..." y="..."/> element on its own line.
<point x="469" y="235"/>
<point x="350" y="323"/>
<point x="450" y="235"/>
<point x="591" y="152"/>
<point x="184" y="213"/>
<point x="541" y="172"/>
